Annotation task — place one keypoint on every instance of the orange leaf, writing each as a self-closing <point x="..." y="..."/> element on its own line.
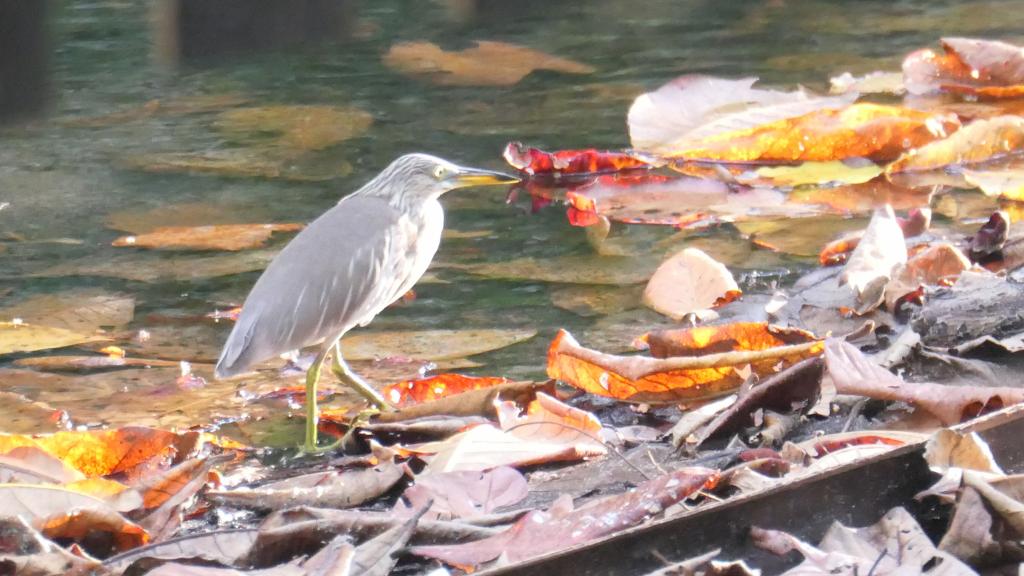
<point x="979" y="141"/>
<point x="232" y="237"/>
<point x="422" y="390"/>
<point x="665" y="380"/>
<point x="102" y="452"/>
<point x="705" y="340"/>
<point x="880" y="133"/>
<point x="85" y="524"/>
<point x="940" y="262"/>
<point x="986" y="68"/>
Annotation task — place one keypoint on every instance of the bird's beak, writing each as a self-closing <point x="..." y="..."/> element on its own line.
<point x="475" y="177"/>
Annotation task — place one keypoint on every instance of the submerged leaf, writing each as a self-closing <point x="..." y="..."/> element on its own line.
<point x="486" y="64"/>
<point x="432" y="388"/>
<point x="21" y="337"/>
<point x="296" y="127"/>
<point x="430" y="344"/>
<point x="231" y="237"/>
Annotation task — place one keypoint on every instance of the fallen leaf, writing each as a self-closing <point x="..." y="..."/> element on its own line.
<point x="693" y="107"/>
<point x="834" y="172"/>
<point x="295" y="128"/>
<point x="90" y="363"/>
<point x="221" y="546"/>
<point x="469" y="403"/>
<point x="838" y="251"/>
<point x="82" y="311"/>
<point x="97" y="453"/>
<point x="486" y="64"/>
<point x="463" y="494"/>
<point x="854" y="373"/>
<point x="161" y="268"/>
<point x="550" y="432"/>
<point x="231" y="237"/>
<point x="703" y="340"/>
<point x="690" y="282"/>
<point x="894" y="545"/>
<point x="879" y="133"/>
<point x="86" y="525"/>
<point x="862" y="198"/>
<point x="871" y="83"/>
<point x="1005" y="183"/>
<point x="238" y="163"/>
<point x="665" y="380"/>
<point x="986" y="68"/>
<point x="541" y="532"/>
<point x="431" y="388"/>
<point x="978" y="142"/>
<point x="969" y="535"/>
<point x="572" y="269"/>
<point x="940" y="262"/>
<point x="21" y="337"/>
<point x="180" y="106"/>
<point x="536" y="162"/>
<point x="596" y="300"/>
<point x="330" y="489"/>
<point x="879" y="254"/>
<point x="430" y="344"/>
<point x="186" y="214"/>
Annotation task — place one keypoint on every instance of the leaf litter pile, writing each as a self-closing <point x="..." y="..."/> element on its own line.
<point x="900" y="342"/>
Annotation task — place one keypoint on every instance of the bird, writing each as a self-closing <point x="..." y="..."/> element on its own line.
<point x="343" y="269"/>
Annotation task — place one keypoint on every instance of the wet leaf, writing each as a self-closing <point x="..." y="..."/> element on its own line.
<point x="237" y="164"/>
<point x="20" y="337"/>
<point x="186" y="214"/>
<point x="835" y="172"/>
<point x="572" y="269"/>
<point x="704" y="340"/>
<point x="432" y="388"/>
<point x="550" y="432"/>
<point x="693" y="107"/>
<point x="180" y="106"/>
<point x="463" y="494"/>
<point x="330" y="489"/>
<point x="682" y="202"/>
<point x="541" y="532"/>
<point x="862" y="198"/>
<point x="295" y="128"/>
<point x="161" y="268"/>
<point x="596" y="300"/>
<point x="86" y="524"/>
<point x="940" y="262"/>
<point x="986" y="68"/>
<point x="838" y="251"/>
<point x="979" y="141"/>
<point x="468" y="403"/>
<point x="877" y="132"/>
<point x="30" y="465"/>
<point x="230" y="237"/>
<point x="536" y="162"/>
<point x="430" y="344"/>
<point x="854" y="373"/>
<point x="125" y="451"/>
<point x="690" y="282"/>
<point x="83" y="311"/>
<point x="872" y="83"/>
<point x="486" y="64"/>
<point x="1004" y="183"/>
<point x="879" y="254"/>
<point x="90" y="363"/>
<point x="665" y="380"/>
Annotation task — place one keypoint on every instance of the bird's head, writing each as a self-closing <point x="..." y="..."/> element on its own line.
<point x="423" y="177"/>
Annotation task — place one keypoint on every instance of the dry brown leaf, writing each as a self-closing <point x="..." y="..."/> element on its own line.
<point x="486" y="64"/>
<point x="464" y="494"/>
<point x="854" y="373"/>
<point x="232" y="237"/>
<point x="665" y="380"/>
<point x="979" y="141"/>
<point x="690" y="282"/>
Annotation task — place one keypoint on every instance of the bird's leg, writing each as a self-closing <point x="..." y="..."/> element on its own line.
<point x="350" y="378"/>
<point x="312" y="414"/>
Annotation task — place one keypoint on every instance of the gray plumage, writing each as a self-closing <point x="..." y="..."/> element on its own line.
<point x="348" y="264"/>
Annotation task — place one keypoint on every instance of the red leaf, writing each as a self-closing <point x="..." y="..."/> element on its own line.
<point x="535" y="162"/>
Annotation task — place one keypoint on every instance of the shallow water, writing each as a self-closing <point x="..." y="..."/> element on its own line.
<point x="64" y="180"/>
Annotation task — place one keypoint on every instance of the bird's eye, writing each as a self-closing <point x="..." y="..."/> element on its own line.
<point x="439" y="172"/>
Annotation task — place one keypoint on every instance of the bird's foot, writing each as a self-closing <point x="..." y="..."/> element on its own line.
<point x="314" y="450"/>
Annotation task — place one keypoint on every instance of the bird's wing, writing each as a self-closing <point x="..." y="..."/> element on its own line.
<point x="329" y="278"/>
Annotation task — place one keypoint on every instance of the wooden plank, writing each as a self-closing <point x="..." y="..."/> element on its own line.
<point x="857" y="494"/>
